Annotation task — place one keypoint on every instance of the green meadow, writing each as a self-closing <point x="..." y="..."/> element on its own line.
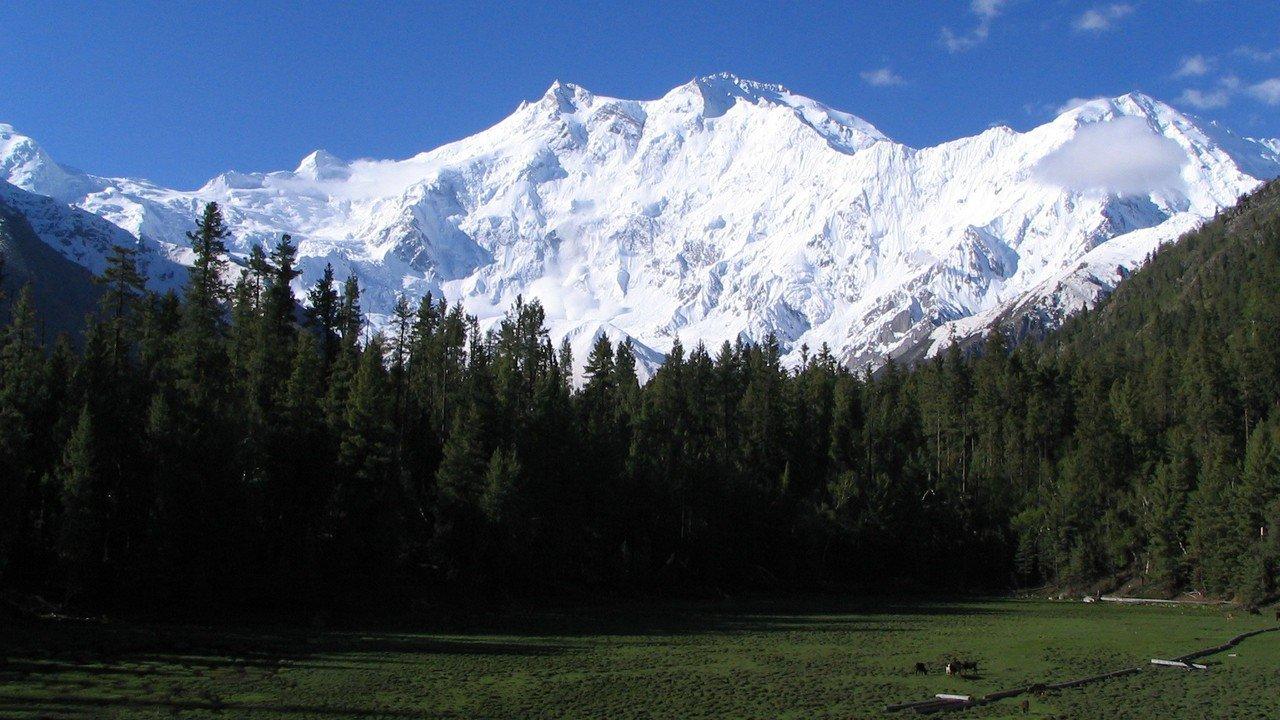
<point x="815" y="659"/>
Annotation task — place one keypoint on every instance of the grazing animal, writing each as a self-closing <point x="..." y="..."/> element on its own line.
<point x="921" y="669"/>
<point x="1026" y="706"/>
<point x="953" y="668"/>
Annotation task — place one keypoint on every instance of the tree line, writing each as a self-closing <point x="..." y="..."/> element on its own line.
<point x="233" y="449"/>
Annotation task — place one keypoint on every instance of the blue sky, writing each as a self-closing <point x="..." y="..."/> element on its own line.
<point x="179" y="91"/>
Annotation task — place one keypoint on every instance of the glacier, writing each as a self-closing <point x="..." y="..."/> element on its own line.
<point x="725" y="210"/>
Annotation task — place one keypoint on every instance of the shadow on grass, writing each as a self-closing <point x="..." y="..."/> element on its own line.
<point x="32" y="650"/>
<point x="48" y="665"/>
<point x="71" y="706"/>
<point x="730" y="616"/>
<point x="83" y="669"/>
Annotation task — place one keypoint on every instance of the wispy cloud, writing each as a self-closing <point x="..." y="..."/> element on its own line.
<point x="1228" y="88"/>
<point x="1266" y="92"/>
<point x="1257" y="54"/>
<point x="1076" y="102"/>
<point x="1206" y="99"/>
<point x="1194" y="66"/>
<point x="882" y="77"/>
<point x="986" y="11"/>
<point x="1101" y="19"/>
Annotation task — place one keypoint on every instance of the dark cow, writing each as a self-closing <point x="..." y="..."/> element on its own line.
<point x="921" y="669"/>
<point x="1026" y="706"/>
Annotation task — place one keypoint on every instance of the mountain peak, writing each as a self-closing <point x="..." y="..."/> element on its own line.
<point x="1134" y="103"/>
<point x="567" y="97"/>
<point x="25" y="164"/>
<point x="720" y="91"/>
<point x="728" y="83"/>
<point x="718" y="94"/>
<point x="323" y="165"/>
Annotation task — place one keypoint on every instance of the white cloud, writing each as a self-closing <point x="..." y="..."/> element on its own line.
<point x="882" y="77"/>
<point x="986" y="11"/>
<point x="1122" y="156"/>
<point x="1206" y="99"/>
<point x="1267" y="91"/>
<point x="1194" y="66"/>
<point x="359" y="179"/>
<point x="1103" y="18"/>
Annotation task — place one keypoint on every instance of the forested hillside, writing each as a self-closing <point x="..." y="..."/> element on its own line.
<point x="1176" y="463"/>
<point x="217" y="451"/>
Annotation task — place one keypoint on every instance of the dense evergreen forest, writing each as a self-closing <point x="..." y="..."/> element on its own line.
<point x="228" y="449"/>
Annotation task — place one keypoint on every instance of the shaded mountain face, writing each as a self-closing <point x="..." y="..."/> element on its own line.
<point x="62" y="291"/>
<point x="725" y="209"/>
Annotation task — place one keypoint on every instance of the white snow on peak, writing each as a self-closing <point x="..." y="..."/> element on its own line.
<point x="323" y="165"/>
<point x="718" y="93"/>
<point x="24" y="163"/>
<point x="724" y="209"/>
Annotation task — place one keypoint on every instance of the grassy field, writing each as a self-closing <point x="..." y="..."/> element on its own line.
<point x="759" y="660"/>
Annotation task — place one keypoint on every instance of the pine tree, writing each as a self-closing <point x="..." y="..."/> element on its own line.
<point x="209" y="517"/>
<point x="1256" y="499"/>
<point x="349" y="320"/>
<point x="207" y="289"/>
<point x="500" y="496"/>
<point x="323" y="312"/>
<point x="1162" y="514"/>
<point x="460" y="482"/>
<point x="23" y="400"/>
<point x="368" y="490"/>
<point x="204" y="355"/>
<point x="125" y="288"/>
<point x="86" y="516"/>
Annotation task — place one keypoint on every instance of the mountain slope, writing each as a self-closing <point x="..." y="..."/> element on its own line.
<point x="1219" y="283"/>
<point x="62" y="291"/>
<point x="725" y="209"/>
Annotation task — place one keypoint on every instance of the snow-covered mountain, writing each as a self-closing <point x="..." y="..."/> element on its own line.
<point x="726" y="208"/>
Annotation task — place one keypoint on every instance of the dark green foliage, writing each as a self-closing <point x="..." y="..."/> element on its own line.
<point x="227" y="450"/>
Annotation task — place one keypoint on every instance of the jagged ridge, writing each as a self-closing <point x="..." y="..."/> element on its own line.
<point x="725" y="209"/>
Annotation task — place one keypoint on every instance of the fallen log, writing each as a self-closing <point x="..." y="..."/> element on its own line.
<point x="1224" y="646"/>
<point x="1178" y="664"/>
<point x="1158" y="601"/>
<point x="944" y="701"/>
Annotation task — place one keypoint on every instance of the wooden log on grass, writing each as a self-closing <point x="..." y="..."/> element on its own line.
<point x="908" y="705"/>
<point x="939" y="702"/>
<point x="1178" y="664"/>
<point x="1091" y="679"/>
